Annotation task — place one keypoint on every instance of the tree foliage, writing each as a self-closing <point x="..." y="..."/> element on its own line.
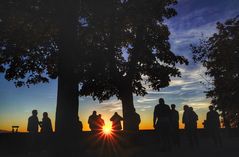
<point x="28" y="49"/>
<point x="132" y="42"/>
<point x="220" y="55"/>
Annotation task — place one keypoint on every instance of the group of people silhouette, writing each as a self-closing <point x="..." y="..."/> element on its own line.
<point x="34" y="123"/>
<point x="96" y="123"/>
<point x="33" y="127"/>
<point x="165" y="122"/>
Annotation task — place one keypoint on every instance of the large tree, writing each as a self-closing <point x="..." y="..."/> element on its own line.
<point x="219" y="54"/>
<point x="83" y="42"/>
<point x="134" y="49"/>
<point x="39" y="41"/>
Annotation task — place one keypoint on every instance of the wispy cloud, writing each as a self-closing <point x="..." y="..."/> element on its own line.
<point x="146" y="100"/>
<point x="111" y="105"/>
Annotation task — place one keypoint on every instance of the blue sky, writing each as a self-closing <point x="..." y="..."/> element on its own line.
<point x="195" y="17"/>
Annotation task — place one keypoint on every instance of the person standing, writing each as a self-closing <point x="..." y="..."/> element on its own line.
<point x="161" y="122"/>
<point x="190" y="122"/>
<point x="213" y="126"/>
<point x="193" y="121"/>
<point x="92" y="121"/>
<point x="33" y="122"/>
<point x="32" y="128"/>
<point x="100" y="123"/>
<point x="175" y="125"/>
<point x="116" y="122"/>
<point x="46" y="126"/>
<point x="135" y="121"/>
<point x="46" y="131"/>
<point x="79" y="125"/>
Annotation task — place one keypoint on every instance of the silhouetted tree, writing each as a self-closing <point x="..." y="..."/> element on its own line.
<point x="86" y="42"/>
<point x="39" y="41"/>
<point x="219" y="54"/>
<point x="133" y="47"/>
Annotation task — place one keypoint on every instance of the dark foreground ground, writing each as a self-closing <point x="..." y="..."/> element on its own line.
<point x="143" y="144"/>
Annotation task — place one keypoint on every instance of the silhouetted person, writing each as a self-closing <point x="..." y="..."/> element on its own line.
<point x="32" y="128"/>
<point x="100" y="123"/>
<point x="213" y="125"/>
<point x="161" y="121"/>
<point x="135" y="121"/>
<point x="46" y="126"/>
<point x="33" y="122"/>
<point x="190" y="120"/>
<point x="116" y="122"/>
<point x="92" y="121"/>
<point x="79" y="125"/>
<point x="204" y="123"/>
<point x="46" y="130"/>
<point x="175" y="125"/>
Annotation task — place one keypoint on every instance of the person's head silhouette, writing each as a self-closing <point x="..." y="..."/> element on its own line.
<point x="34" y="112"/>
<point x="45" y="114"/>
<point x="94" y="112"/>
<point x="185" y="107"/>
<point x="99" y="115"/>
<point x="116" y="113"/>
<point x="173" y="106"/>
<point x="161" y="101"/>
<point x="210" y="107"/>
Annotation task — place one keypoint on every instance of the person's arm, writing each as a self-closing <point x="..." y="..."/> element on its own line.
<point x="207" y="116"/>
<point x="50" y="125"/>
<point x="39" y="123"/>
<point x="139" y="120"/>
<point x="183" y="118"/>
<point x="154" y="119"/>
<point x="177" y="116"/>
<point x="28" y="125"/>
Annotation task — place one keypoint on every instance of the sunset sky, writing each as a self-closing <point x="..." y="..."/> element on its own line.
<point x="195" y="17"/>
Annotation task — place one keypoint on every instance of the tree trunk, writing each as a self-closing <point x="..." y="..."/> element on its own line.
<point x="67" y="104"/>
<point x="126" y="96"/>
<point x="67" y="95"/>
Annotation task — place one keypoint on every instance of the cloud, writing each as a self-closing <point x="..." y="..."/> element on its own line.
<point x="193" y="20"/>
<point x="197" y="103"/>
<point x="162" y="92"/>
<point x="146" y="100"/>
<point x="111" y="105"/>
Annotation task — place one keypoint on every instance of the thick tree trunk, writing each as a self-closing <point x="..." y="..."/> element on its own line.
<point x="67" y="95"/>
<point x="67" y="104"/>
<point x="126" y="96"/>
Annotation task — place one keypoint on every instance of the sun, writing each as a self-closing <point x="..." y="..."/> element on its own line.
<point x="107" y="130"/>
